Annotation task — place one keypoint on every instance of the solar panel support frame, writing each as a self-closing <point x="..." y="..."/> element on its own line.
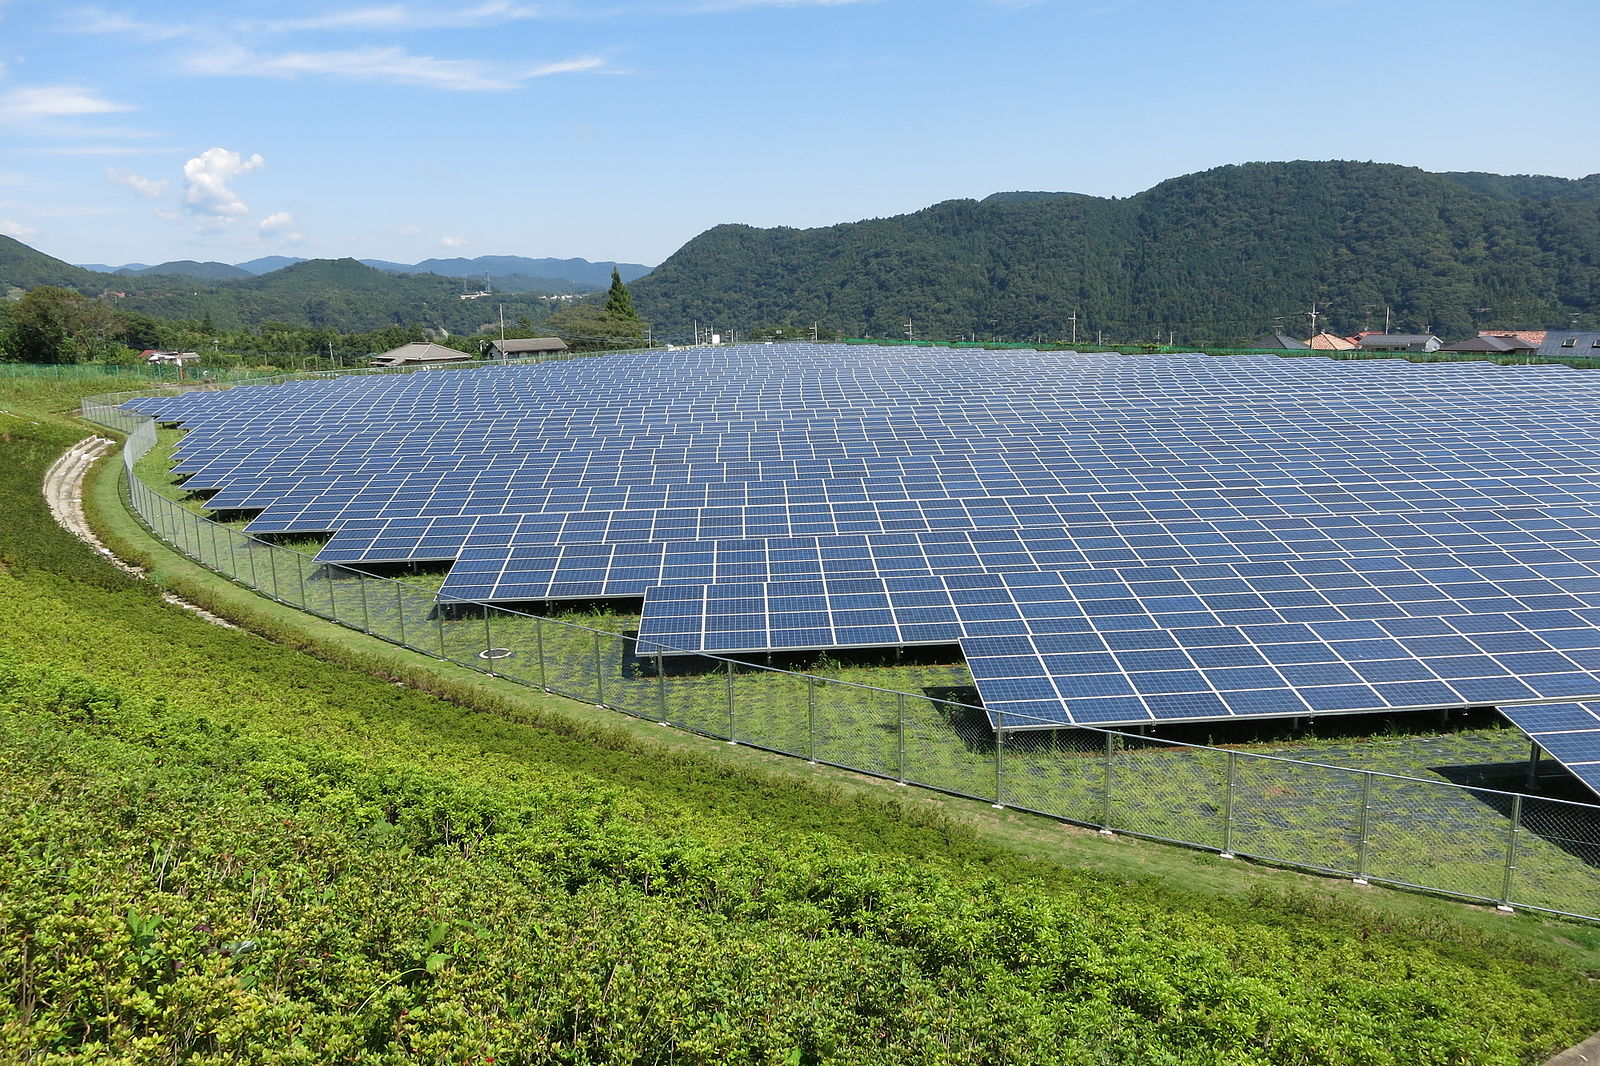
<point x="1515" y="828"/>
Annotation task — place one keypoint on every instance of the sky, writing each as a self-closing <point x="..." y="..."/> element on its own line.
<point x="619" y="129"/>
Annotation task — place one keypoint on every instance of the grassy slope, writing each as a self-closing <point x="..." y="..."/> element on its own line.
<point x="547" y="881"/>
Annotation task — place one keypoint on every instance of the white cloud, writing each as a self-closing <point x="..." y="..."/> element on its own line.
<point x="53" y="101"/>
<point x="454" y="242"/>
<point x="206" y="191"/>
<point x="382" y="64"/>
<point x="147" y="187"/>
<point x="279" y="226"/>
<point x="10" y="227"/>
<point x="399" y="17"/>
<point x="100" y="21"/>
<point x="410" y="229"/>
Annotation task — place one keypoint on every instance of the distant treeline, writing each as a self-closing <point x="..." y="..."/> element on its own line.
<point x="1218" y="258"/>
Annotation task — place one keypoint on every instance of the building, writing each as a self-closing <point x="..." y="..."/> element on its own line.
<point x="1331" y="342"/>
<point x="1492" y="344"/>
<point x="420" y="353"/>
<point x="1279" y="342"/>
<point x="158" y="357"/>
<point x="1566" y="343"/>
<point x="1400" y="342"/>
<point x="524" y="347"/>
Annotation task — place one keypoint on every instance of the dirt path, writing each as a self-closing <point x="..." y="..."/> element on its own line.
<point x="63" y="491"/>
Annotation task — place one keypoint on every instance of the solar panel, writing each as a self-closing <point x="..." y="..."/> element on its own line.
<point x="1110" y="539"/>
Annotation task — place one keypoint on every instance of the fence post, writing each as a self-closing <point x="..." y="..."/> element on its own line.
<point x="438" y="617"/>
<point x="599" y="672"/>
<point x="400" y="614"/>
<point x="361" y="585"/>
<point x="1227" y="806"/>
<point x="1511" y="853"/>
<point x="488" y="641"/>
<point x="661" y="688"/>
<point x="732" y="738"/>
<point x="999" y="762"/>
<point x="538" y="645"/>
<point x="272" y="569"/>
<point x="1110" y="758"/>
<point x="811" y="718"/>
<point x="1361" y="838"/>
<point x="900" y="714"/>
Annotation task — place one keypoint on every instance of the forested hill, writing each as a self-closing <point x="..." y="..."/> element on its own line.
<point x="1220" y="256"/>
<point x="340" y="294"/>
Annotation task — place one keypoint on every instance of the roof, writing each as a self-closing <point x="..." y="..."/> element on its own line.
<point x="1397" y="340"/>
<point x="1570" y="342"/>
<point x="1331" y="342"/>
<point x="1534" y="337"/>
<point x="1279" y="340"/>
<point x="520" y="345"/>
<point x="1490" y="344"/>
<point x="419" y="352"/>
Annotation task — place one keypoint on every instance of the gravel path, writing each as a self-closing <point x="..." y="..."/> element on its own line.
<point x="63" y="492"/>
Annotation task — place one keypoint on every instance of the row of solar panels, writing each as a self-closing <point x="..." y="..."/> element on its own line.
<point x="1341" y="536"/>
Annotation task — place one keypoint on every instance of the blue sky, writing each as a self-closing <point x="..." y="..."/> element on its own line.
<point x="619" y="129"/>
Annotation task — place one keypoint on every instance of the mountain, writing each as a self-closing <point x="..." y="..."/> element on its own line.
<point x="268" y="263"/>
<point x="188" y="268"/>
<point x="1219" y="256"/>
<point x="580" y="272"/>
<point x="22" y="268"/>
<point x="341" y="294"/>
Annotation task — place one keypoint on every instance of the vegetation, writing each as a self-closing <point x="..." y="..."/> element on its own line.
<point x="1216" y="258"/>
<point x="220" y="847"/>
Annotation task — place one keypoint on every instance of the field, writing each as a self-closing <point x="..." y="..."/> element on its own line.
<point x="318" y="847"/>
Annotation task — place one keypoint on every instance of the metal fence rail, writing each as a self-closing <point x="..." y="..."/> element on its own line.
<point x="1479" y="844"/>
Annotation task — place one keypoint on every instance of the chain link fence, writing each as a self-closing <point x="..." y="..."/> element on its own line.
<point x="1480" y="844"/>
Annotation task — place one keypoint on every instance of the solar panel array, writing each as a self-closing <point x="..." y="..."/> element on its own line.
<point x="1111" y="539"/>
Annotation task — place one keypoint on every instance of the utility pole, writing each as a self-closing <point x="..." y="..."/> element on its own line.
<point x="911" y="333"/>
<point x="1386" y="319"/>
<point x="813" y="333"/>
<point x="1073" y="318"/>
<point x="1314" y="314"/>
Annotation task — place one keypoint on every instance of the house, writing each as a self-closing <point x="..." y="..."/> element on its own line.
<point x="420" y="353"/>
<point x="158" y="357"/>
<point x="1280" y="342"/>
<point x="1570" y="342"/>
<point x="1400" y="342"/>
<point x="1492" y="344"/>
<point x="522" y="348"/>
<point x="1331" y="342"/>
<point x="1534" y="337"/>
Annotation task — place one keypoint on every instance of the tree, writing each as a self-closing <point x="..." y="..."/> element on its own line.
<point x="619" y="301"/>
<point x="587" y="327"/>
<point x="54" y="325"/>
